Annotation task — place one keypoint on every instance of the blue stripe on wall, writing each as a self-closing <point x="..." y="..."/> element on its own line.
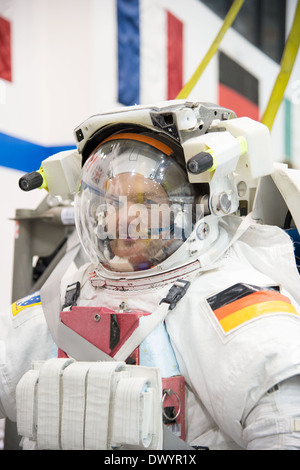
<point x="23" y="155"/>
<point x="128" y="52"/>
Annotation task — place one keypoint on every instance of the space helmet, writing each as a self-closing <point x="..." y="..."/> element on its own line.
<point x="135" y="206"/>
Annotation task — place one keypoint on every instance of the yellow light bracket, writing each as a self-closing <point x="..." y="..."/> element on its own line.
<point x="33" y="180"/>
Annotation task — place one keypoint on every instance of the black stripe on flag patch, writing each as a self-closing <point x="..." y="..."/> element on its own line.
<point x="235" y="292"/>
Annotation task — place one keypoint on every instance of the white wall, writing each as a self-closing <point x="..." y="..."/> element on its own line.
<point x="293" y="90"/>
<point x="11" y="198"/>
<point x="65" y="67"/>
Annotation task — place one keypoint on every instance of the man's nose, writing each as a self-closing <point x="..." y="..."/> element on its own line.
<point x="125" y="217"/>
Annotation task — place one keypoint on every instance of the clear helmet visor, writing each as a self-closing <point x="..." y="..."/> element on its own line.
<point x="135" y="206"/>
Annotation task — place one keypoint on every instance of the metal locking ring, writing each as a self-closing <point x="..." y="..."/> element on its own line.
<point x="170" y="392"/>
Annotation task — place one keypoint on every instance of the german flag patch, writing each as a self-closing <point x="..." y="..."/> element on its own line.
<point x="241" y="303"/>
<point x="29" y="301"/>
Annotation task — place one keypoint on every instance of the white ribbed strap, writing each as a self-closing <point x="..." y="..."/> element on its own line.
<point x="90" y="405"/>
<point x="98" y="406"/>
<point x="26" y="404"/>
<point x="50" y="402"/>
<point x="73" y="412"/>
<point x="132" y="413"/>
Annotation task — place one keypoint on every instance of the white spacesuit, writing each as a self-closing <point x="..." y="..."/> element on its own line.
<point x="178" y="282"/>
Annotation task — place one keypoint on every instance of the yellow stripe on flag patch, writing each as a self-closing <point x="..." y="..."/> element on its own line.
<point x="248" y="313"/>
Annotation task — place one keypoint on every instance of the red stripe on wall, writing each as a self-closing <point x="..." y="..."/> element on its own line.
<point x="239" y="104"/>
<point x="175" y="56"/>
<point x="5" y="50"/>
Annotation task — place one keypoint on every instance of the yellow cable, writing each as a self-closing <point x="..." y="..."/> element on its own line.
<point x="230" y="17"/>
<point x="286" y="67"/>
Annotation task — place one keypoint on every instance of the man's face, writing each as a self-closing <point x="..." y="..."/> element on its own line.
<point x="139" y="207"/>
<point x="134" y="207"/>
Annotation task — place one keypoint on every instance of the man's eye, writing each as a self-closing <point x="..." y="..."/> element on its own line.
<point x="150" y="201"/>
<point x="113" y="201"/>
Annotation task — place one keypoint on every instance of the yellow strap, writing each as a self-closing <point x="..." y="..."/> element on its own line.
<point x="287" y="63"/>
<point x="230" y="17"/>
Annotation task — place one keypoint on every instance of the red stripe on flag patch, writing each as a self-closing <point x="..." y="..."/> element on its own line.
<point x="248" y="301"/>
<point x="252" y="306"/>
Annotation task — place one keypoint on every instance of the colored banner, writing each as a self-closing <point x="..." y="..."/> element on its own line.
<point x="175" y="56"/>
<point x="238" y="88"/>
<point x="128" y="52"/>
<point x="143" y="47"/>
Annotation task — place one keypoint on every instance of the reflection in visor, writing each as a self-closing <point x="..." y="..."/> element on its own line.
<point x="134" y="207"/>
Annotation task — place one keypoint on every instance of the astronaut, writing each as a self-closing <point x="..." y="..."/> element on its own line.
<point x="158" y="214"/>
